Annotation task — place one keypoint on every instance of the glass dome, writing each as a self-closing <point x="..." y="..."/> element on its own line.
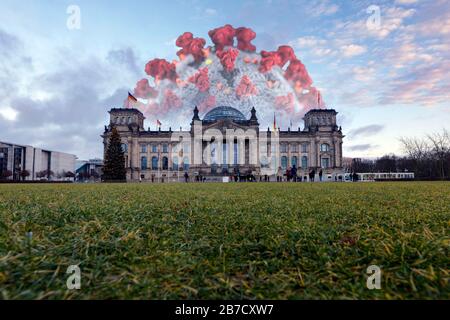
<point x="223" y="112"/>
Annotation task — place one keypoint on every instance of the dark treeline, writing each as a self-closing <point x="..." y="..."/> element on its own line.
<point x="428" y="158"/>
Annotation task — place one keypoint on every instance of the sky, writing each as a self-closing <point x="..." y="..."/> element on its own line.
<point x="387" y="77"/>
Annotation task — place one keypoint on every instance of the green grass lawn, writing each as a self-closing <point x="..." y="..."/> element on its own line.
<point x="232" y="241"/>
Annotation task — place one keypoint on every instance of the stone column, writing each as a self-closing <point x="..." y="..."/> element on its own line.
<point x="289" y="163"/>
<point x="317" y="152"/>
<point x="335" y="153"/>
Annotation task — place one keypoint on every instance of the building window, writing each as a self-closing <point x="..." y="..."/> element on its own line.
<point x="294" y="148"/>
<point x="264" y="162"/>
<point x="304" y="162"/>
<point x="175" y="163"/>
<point x="143" y="148"/>
<point x="186" y="163"/>
<point x="294" y="161"/>
<point x="154" y="148"/>
<point x="305" y="148"/>
<point x="124" y="147"/>
<point x="154" y="163"/>
<point x="324" y="147"/>
<point x="143" y="163"/>
<point x="283" y="147"/>
<point x="284" y="161"/>
<point x="165" y="148"/>
<point x="325" y="163"/>
<point x="116" y="120"/>
<point x="129" y="119"/>
<point x="165" y="163"/>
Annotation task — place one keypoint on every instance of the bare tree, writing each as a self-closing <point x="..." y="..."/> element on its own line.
<point x="418" y="150"/>
<point x="440" y="147"/>
<point x="415" y="148"/>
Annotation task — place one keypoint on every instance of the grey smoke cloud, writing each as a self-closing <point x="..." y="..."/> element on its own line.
<point x="361" y="147"/>
<point x="366" y="131"/>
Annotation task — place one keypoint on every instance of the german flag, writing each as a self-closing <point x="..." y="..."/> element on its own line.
<point x="131" y="100"/>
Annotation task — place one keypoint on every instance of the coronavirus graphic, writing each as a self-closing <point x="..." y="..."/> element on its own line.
<point x="229" y="72"/>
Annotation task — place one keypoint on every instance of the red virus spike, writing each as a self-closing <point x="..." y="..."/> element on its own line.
<point x="192" y="46"/>
<point x="244" y="37"/>
<point x="228" y="58"/>
<point x="268" y="61"/>
<point x="296" y="72"/>
<point x="286" y="54"/>
<point x="201" y="80"/>
<point x="161" y="69"/>
<point x="246" y="88"/>
<point x="285" y="103"/>
<point x="222" y="37"/>
<point x="143" y="90"/>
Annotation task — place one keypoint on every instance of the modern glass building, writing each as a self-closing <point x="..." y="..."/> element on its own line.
<point x="16" y="159"/>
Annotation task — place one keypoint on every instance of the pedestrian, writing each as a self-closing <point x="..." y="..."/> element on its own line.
<point x="294" y="174"/>
<point x="320" y="175"/>
<point x="186" y="177"/>
<point x="279" y="175"/>
<point x="288" y="174"/>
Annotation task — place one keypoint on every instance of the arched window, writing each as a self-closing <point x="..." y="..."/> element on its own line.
<point x="175" y="163"/>
<point x="324" y="147"/>
<point x="304" y="162"/>
<point x="165" y="163"/>
<point x="325" y="163"/>
<point x="284" y="162"/>
<point x="294" y="161"/>
<point x="143" y="163"/>
<point x="186" y="163"/>
<point x="154" y="163"/>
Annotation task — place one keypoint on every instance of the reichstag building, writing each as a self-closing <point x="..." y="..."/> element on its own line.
<point x="225" y="144"/>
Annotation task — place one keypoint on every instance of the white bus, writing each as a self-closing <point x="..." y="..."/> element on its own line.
<point x="380" y="176"/>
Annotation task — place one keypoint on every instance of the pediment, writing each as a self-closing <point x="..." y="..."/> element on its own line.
<point x="224" y="124"/>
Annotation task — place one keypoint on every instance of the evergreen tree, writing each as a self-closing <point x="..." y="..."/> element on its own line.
<point x="114" y="166"/>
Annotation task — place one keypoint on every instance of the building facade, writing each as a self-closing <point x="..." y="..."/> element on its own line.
<point x="225" y="144"/>
<point x="91" y="170"/>
<point x="15" y="158"/>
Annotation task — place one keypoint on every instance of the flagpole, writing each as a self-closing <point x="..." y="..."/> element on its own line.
<point x="318" y="99"/>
